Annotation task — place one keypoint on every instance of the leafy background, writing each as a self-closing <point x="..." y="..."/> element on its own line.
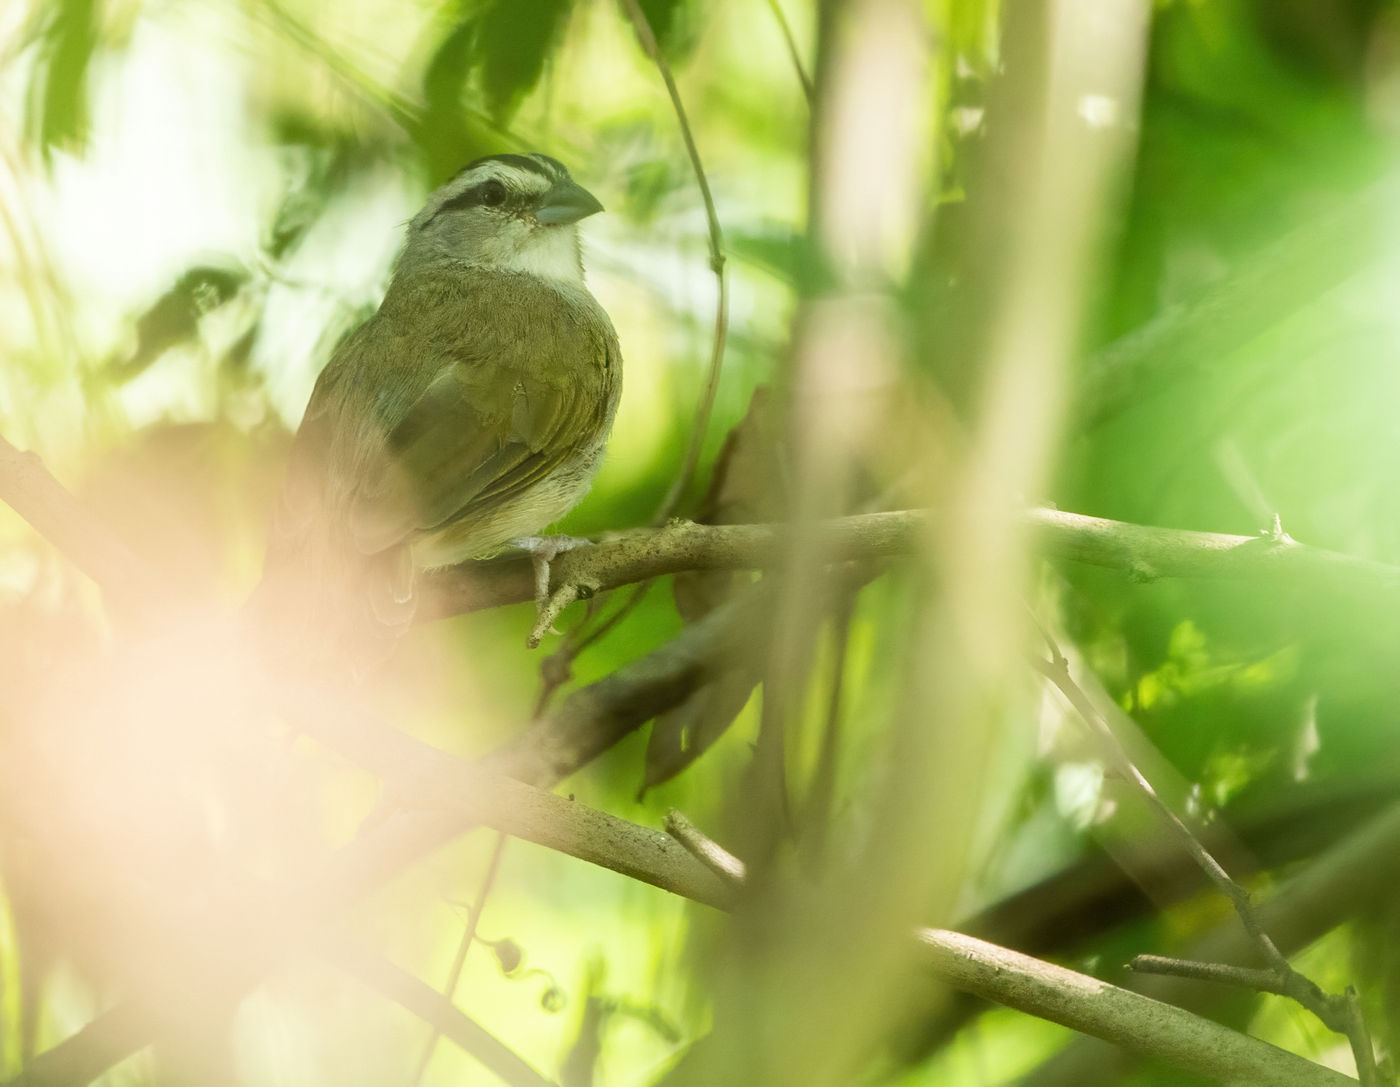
<point x="198" y="200"/>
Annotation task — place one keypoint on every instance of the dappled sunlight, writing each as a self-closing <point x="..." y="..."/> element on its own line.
<point x="981" y="421"/>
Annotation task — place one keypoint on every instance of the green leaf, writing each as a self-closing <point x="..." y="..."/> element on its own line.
<point x="58" y="103"/>
<point x="173" y="318"/>
<point x="674" y="24"/>
<point x="501" y="46"/>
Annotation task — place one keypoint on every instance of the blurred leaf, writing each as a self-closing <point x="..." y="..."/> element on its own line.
<point x="174" y="317"/>
<point x="675" y="24"/>
<point x="747" y="486"/>
<point x="508" y="954"/>
<point x="501" y="46"/>
<point x="58" y="95"/>
<point x="512" y="43"/>
<point x="649" y="183"/>
<point x="445" y="136"/>
<point x="582" y="1059"/>
<point x="236" y="358"/>
<point x="972" y="29"/>
<point x="778" y="251"/>
<point x="329" y="159"/>
<point x="680" y="736"/>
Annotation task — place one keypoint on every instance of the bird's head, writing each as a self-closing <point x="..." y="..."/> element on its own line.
<point x="513" y="212"/>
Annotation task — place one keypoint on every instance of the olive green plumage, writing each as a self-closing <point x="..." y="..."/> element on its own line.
<point x="470" y="410"/>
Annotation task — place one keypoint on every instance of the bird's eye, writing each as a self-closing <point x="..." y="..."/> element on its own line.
<point x="492" y="194"/>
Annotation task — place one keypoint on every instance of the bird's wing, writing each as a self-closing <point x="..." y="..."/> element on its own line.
<point x="497" y="416"/>
<point x="461" y="447"/>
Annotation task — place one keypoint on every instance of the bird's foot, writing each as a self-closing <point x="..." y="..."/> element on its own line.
<point x="542" y="551"/>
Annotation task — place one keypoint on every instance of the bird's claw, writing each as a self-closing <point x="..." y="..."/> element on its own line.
<point x="543" y="550"/>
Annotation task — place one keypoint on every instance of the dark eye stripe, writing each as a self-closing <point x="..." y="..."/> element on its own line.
<point x="474" y="197"/>
<point x="541" y="165"/>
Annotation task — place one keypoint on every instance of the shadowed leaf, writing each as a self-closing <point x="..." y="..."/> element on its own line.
<point x="58" y="95"/>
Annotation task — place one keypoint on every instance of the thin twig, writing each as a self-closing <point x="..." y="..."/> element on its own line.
<point x="436" y="1008"/>
<point x="1338" y="1012"/>
<point x="783" y="25"/>
<point x="454" y="973"/>
<point x="1243" y="977"/>
<point x="1291" y="983"/>
<point x="704" y="848"/>
<point x="562" y="660"/>
<point x="683" y="478"/>
<point x="1057" y="671"/>
<point x="558" y="668"/>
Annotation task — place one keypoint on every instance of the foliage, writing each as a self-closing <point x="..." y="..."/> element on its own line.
<point x="197" y="202"/>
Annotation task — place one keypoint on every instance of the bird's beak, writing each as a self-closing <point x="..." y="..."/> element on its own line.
<point x="567" y="203"/>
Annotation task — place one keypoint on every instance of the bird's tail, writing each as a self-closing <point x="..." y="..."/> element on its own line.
<point x="325" y="608"/>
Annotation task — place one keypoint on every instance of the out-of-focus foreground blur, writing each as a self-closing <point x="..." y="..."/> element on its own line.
<point x="1009" y="266"/>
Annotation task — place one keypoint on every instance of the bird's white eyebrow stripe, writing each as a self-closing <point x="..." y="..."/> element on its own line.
<point x="499" y="171"/>
<point x="527" y="175"/>
<point x="549" y="168"/>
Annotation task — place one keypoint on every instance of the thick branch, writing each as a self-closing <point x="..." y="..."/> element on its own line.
<point x="588" y="722"/>
<point x="1143" y="552"/>
<point x="1124" y="1018"/>
<point x="30" y="489"/>
<point x="1362" y="868"/>
<point x="1038" y="988"/>
<point x="1006" y="977"/>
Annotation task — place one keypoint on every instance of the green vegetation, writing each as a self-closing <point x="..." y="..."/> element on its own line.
<point x="1122" y="260"/>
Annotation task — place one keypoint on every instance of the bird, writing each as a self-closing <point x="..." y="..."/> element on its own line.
<point x="471" y="410"/>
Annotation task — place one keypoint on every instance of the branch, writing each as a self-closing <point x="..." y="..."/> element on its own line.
<point x="30" y="489"/>
<point x="587" y="723"/>
<point x="1044" y="990"/>
<point x="80" y="1058"/>
<point x="1120" y="1016"/>
<point x="704" y="848"/>
<point x="1057" y="672"/>
<point x="1339" y="1013"/>
<point x="1143" y="552"/>
<point x="568" y="827"/>
<point x="464" y="945"/>
<point x="1221" y="973"/>
<point x="791" y="43"/>
<point x="707" y="401"/>
<point x="433" y="1007"/>
<point x="1147" y="553"/>
<point x="597" y="716"/>
<point x="1007" y="977"/>
<point x="1360" y="869"/>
